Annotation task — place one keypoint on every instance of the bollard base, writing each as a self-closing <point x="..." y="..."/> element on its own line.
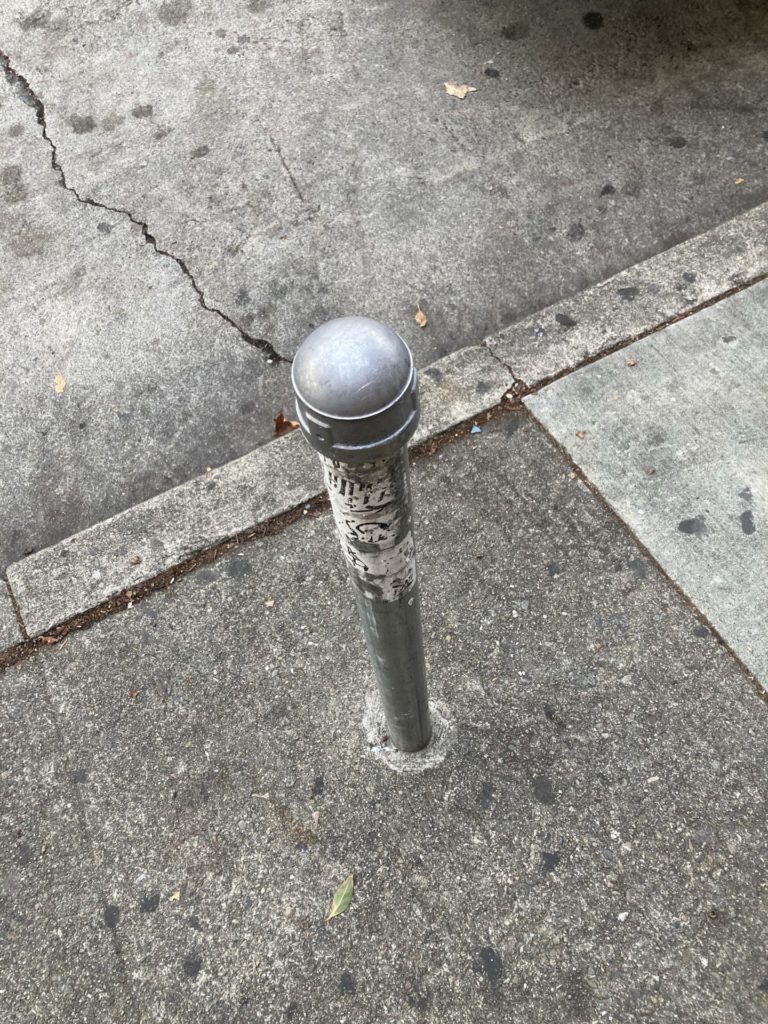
<point x="375" y="727"/>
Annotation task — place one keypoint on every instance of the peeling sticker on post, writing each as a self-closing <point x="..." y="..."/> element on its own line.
<point x="371" y="506"/>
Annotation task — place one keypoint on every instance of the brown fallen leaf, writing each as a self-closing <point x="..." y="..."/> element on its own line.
<point x="135" y="559"/>
<point x="283" y="425"/>
<point x="739" y="181"/>
<point x="459" y="91"/>
<point x="581" y="434"/>
<point x="133" y="693"/>
<point x="421" y="317"/>
<point x="631" y="362"/>
<point x="59" y="383"/>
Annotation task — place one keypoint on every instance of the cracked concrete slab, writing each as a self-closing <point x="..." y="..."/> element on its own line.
<point x="305" y="161"/>
<point x="117" y="383"/>
<point x="672" y="430"/>
<point x="593" y="846"/>
<point x="281" y="165"/>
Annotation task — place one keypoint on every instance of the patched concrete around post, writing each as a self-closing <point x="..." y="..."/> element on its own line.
<point x="636" y="301"/>
<point x="10" y="634"/>
<point x="673" y="431"/>
<point x="80" y="573"/>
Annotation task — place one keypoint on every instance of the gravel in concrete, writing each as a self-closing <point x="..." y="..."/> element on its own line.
<point x="81" y="572"/>
<point x="672" y="430"/>
<point x="637" y="300"/>
<point x="593" y="846"/>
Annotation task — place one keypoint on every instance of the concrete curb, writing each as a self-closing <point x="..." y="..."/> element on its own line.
<point x="59" y="583"/>
<point x="637" y="301"/>
<point x="81" y="573"/>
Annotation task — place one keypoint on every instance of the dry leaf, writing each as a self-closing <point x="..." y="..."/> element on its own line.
<point x="581" y="434"/>
<point x="270" y="603"/>
<point x="59" y="383"/>
<point x="421" y="317"/>
<point x="133" y="693"/>
<point x="342" y="897"/>
<point x="739" y="181"/>
<point x="175" y="896"/>
<point x="631" y="362"/>
<point x="459" y="91"/>
<point x="135" y="559"/>
<point x="284" y="425"/>
<point x="572" y="476"/>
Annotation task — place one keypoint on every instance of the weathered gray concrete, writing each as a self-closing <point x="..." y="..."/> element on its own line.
<point x="458" y="387"/>
<point x="673" y="431"/>
<point x="81" y="572"/>
<point x="593" y="847"/>
<point x="303" y="160"/>
<point x="636" y="301"/>
<point x="60" y="958"/>
<point x="9" y="626"/>
<point x="117" y="384"/>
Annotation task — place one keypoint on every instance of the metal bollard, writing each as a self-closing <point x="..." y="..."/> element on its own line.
<point x="357" y="404"/>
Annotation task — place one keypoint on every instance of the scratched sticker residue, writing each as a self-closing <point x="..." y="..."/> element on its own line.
<point x="370" y="505"/>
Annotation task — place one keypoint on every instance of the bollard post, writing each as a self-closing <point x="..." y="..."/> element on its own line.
<point x="357" y="404"/>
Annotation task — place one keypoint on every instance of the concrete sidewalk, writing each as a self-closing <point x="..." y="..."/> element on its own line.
<point x="186" y="784"/>
<point x="672" y="430"/>
<point x="188" y="188"/>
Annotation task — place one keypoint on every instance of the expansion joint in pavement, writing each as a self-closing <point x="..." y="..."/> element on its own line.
<point x="28" y="95"/>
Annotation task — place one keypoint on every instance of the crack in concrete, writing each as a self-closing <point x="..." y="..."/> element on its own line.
<point x="519" y="387"/>
<point x="26" y="93"/>
<point x="286" y="168"/>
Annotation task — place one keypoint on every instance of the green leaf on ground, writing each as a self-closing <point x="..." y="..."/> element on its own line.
<point x="342" y="897"/>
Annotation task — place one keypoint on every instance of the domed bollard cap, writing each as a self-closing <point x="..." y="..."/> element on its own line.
<point x="356" y="390"/>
